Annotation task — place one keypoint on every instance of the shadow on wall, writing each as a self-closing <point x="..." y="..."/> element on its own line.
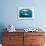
<point x="2" y="26"/>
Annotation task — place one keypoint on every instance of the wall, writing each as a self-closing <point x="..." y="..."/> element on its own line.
<point x="9" y="13"/>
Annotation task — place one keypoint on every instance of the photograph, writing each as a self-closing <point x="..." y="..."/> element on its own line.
<point x="22" y="22"/>
<point x="25" y="13"/>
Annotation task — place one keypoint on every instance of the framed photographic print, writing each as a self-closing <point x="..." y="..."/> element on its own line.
<point x="25" y="13"/>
